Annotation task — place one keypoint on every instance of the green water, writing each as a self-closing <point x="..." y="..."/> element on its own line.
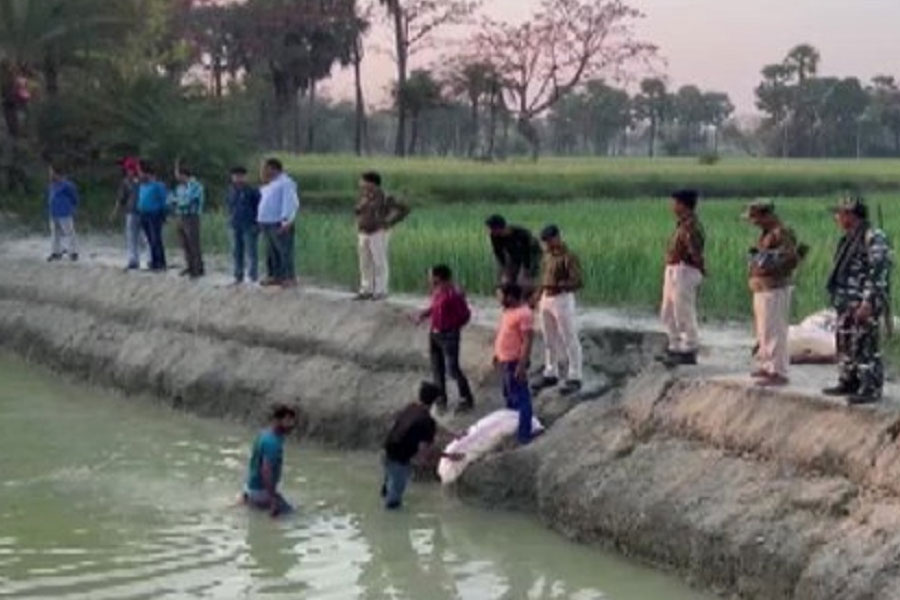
<point x="106" y="498"/>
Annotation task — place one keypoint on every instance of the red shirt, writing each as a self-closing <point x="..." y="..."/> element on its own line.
<point x="449" y="310"/>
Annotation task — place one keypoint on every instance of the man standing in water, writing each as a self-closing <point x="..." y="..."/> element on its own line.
<point x="684" y="273"/>
<point x="518" y="253"/>
<point x="277" y="212"/>
<point x="376" y="214"/>
<point x="266" y="460"/>
<point x="412" y="435"/>
<point x="859" y="286"/>
<point x="772" y="263"/>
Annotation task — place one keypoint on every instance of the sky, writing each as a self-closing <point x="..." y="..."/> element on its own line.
<point x="719" y="45"/>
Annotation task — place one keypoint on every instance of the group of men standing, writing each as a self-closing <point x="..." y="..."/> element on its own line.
<point x="146" y="204"/>
<point x="859" y="287"/>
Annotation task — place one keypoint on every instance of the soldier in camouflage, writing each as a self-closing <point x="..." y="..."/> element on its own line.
<point x="859" y="286"/>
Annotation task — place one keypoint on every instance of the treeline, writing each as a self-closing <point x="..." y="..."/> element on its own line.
<point x="87" y="81"/>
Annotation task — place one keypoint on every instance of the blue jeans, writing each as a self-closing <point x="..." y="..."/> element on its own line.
<point x="279" y="252"/>
<point x="152" y="224"/>
<point x="396" y="476"/>
<point x="518" y="397"/>
<point x="245" y="238"/>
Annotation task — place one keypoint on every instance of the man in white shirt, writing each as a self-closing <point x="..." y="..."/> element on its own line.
<point x="278" y="208"/>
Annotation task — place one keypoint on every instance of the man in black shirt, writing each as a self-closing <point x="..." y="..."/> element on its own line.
<point x="518" y="253"/>
<point x="413" y="433"/>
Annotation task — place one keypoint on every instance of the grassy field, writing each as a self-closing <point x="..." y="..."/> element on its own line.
<point x="332" y="179"/>
<point x="620" y="243"/>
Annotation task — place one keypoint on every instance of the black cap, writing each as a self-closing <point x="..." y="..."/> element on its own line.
<point x="549" y="232"/>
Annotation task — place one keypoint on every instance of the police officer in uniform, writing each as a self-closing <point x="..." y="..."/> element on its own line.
<point x="860" y="291"/>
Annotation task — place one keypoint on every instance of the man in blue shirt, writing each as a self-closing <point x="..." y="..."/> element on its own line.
<point x="243" y="206"/>
<point x="151" y="207"/>
<point x="189" y="199"/>
<point x="62" y="198"/>
<point x="278" y="206"/>
<point x="266" y="461"/>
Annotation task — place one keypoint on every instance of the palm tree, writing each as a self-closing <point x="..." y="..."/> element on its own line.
<point x="421" y="94"/>
<point x="803" y="61"/>
<point x="397" y="14"/>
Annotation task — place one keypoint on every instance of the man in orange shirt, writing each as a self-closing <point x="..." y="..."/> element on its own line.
<point x="512" y="354"/>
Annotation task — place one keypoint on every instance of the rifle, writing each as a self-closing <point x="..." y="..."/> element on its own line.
<point x="888" y="311"/>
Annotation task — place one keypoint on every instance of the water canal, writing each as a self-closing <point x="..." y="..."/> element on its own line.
<point x="103" y="498"/>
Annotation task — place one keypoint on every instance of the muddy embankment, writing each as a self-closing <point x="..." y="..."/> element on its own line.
<point x="759" y="494"/>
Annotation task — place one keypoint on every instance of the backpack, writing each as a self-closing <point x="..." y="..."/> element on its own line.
<point x="461" y="312"/>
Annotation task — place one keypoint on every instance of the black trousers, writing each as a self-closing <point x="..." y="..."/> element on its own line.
<point x="444" y="352"/>
<point x="189" y="235"/>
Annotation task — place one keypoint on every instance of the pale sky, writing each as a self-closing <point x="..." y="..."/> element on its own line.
<point x="717" y="44"/>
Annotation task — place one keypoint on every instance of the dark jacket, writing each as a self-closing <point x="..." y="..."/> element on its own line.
<point x="560" y="272"/>
<point x="774" y="259"/>
<point x="243" y="204"/>
<point x="687" y="243"/>
<point x="516" y="252"/>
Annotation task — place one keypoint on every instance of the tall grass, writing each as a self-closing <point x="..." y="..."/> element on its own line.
<point x="332" y="179"/>
<point x="620" y="244"/>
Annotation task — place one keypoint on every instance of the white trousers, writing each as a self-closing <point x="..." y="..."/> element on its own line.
<point x="771" y="310"/>
<point x="560" y="332"/>
<point x="374" y="271"/>
<point x="679" y="306"/>
<point x="62" y="236"/>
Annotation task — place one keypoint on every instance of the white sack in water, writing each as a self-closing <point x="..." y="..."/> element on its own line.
<point x="813" y="339"/>
<point x="480" y="439"/>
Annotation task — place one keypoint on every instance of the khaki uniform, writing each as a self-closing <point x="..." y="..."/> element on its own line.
<point x="375" y="215"/>
<point x="772" y="263"/>
<point x="685" y="270"/>
<point x="561" y="277"/>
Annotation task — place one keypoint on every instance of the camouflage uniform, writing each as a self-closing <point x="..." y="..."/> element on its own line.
<point x="861" y="273"/>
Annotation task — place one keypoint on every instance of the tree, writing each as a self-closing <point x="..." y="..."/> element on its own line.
<point x="717" y="109"/>
<point x="296" y="43"/>
<point x="563" y="44"/>
<point x="473" y="80"/>
<point x="803" y="62"/>
<point x="775" y="97"/>
<point x="689" y="109"/>
<point x="421" y="93"/>
<point x="653" y="104"/>
<point x="886" y="107"/>
<point x="360" y="134"/>
<point x="413" y="23"/>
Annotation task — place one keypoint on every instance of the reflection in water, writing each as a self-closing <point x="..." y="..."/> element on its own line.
<point x="103" y="499"/>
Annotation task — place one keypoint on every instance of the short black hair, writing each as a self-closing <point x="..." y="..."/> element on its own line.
<point x="429" y="393"/>
<point x="442" y="272"/>
<point x="185" y="170"/>
<point x="148" y="168"/>
<point x="686" y="197"/>
<point x="238" y="170"/>
<point x="495" y="222"/>
<point x="281" y="411"/>
<point x="274" y="163"/>
<point x="372" y="177"/>
<point x="550" y="232"/>
<point x="512" y="290"/>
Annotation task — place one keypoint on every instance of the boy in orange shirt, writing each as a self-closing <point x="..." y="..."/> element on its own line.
<point x="512" y="353"/>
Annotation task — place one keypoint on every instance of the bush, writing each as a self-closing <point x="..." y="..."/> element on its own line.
<point x="709" y="158"/>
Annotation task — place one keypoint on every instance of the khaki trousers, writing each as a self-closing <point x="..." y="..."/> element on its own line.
<point x="560" y="331"/>
<point x="679" y="306"/>
<point x="374" y="271"/>
<point x="771" y="310"/>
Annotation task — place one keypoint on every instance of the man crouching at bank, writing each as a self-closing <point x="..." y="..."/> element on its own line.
<point x="266" y="460"/>
<point x="859" y="286"/>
